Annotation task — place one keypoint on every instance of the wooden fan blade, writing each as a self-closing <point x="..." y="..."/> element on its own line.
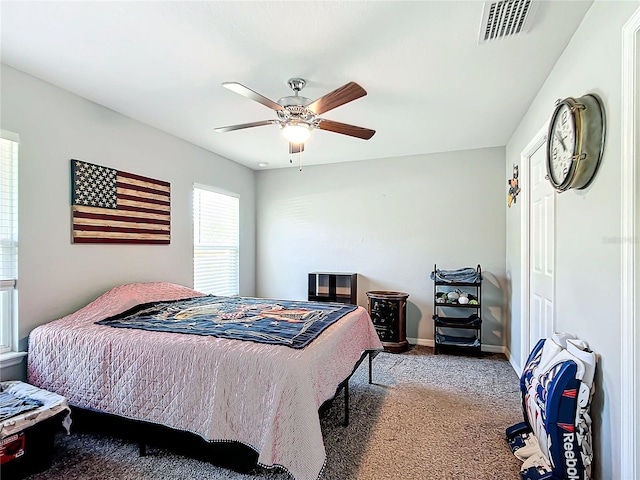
<point x="247" y="92"/>
<point x="339" y="96"/>
<point x="296" y="148"/>
<point x="346" y="129"/>
<point x="245" y="125"/>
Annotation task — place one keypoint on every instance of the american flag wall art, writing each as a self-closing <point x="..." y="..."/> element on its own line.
<point x="110" y="206"/>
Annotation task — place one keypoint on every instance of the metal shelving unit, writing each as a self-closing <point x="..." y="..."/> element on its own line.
<point x="451" y="329"/>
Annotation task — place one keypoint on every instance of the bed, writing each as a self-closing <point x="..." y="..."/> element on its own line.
<point x="263" y="396"/>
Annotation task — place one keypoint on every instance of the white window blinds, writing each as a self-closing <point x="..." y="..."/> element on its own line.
<point x="216" y="240"/>
<point x="8" y="237"/>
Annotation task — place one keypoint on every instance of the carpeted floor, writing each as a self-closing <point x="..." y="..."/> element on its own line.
<point x="425" y="417"/>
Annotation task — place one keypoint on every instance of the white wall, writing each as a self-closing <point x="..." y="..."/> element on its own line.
<point x="389" y="220"/>
<point x="57" y="277"/>
<point x="588" y="221"/>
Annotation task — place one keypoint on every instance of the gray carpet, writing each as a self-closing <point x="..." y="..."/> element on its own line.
<point x="425" y="417"/>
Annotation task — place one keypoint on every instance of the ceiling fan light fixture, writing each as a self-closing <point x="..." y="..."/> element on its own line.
<point x="296" y="132"/>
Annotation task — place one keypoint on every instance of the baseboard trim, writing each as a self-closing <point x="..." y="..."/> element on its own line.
<point x="517" y="368"/>
<point x="494" y="348"/>
<point x="421" y="341"/>
<point x="429" y="343"/>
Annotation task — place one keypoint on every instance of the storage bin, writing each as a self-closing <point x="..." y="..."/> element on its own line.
<point x="27" y="439"/>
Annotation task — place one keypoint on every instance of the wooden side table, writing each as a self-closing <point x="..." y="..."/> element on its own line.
<point x="388" y="312"/>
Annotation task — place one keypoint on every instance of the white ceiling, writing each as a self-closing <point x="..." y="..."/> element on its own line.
<point x="431" y="86"/>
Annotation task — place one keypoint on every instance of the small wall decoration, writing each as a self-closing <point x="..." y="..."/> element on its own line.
<point x="514" y="187"/>
<point x="109" y="206"/>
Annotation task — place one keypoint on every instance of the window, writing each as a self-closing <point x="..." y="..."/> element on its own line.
<point x="216" y="227"/>
<point x="8" y="238"/>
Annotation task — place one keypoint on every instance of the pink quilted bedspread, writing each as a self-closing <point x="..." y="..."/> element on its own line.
<point x="263" y="396"/>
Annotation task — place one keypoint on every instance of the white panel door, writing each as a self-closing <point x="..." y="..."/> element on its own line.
<point x="542" y="250"/>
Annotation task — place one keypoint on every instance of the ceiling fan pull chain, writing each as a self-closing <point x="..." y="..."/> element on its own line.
<point x="300" y="160"/>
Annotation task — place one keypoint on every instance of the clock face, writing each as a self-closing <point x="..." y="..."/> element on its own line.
<point x="561" y="145"/>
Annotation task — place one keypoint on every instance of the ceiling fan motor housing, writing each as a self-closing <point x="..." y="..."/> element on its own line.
<point x="295" y="105"/>
<point x="295" y="112"/>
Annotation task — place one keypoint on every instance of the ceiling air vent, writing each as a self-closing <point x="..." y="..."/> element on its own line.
<point x="505" y="18"/>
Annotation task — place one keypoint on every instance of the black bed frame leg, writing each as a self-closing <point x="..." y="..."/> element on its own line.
<point x="143" y="448"/>
<point x="345" y="384"/>
<point x="346" y="404"/>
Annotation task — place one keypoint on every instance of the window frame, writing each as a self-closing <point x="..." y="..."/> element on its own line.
<point x="234" y="248"/>
<point x="9" y="323"/>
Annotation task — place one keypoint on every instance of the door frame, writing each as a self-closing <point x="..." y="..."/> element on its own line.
<point x="538" y="140"/>
<point x="630" y="261"/>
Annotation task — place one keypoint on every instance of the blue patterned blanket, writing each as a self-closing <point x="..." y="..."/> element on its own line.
<point x="280" y="322"/>
<point x="10" y="405"/>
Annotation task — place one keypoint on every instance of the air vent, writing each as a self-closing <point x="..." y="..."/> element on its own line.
<point x="506" y="18"/>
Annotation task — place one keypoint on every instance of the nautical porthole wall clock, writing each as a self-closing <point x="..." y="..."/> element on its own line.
<point x="575" y="142"/>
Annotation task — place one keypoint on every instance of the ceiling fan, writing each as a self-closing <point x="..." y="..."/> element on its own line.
<point x="298" y="115"/>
